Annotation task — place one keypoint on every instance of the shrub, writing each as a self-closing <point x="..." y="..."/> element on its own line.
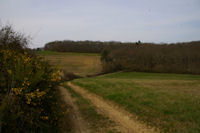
<point x="66" y="76"/>
<point x="28" y="101"/>
<point x="9" y="39"/>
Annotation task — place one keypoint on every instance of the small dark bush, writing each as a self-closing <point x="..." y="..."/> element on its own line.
<point x="66" y="76"/>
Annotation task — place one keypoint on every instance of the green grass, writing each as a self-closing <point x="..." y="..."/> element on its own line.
<point x="170" y="102"/>
<point x="97" y="122"/>
<point x="143" y="75"/>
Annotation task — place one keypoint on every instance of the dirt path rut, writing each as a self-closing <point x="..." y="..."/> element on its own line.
<point x="120" y="116"/>
<point x="78" y="124"/>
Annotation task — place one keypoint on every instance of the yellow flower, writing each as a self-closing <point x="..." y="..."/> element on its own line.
<point x="29" y="96"/>
<point x="53" y="80"/>
<point x="9" y="72"/>
<point x="26" y="82"/>
<point x="26" y="60"/>
<point x="28" y="101"/>
<point x="40" y="94"/>
<point x="45" y="117"/>
<point x="17" y="91"/>
<point x="56" y="76"/>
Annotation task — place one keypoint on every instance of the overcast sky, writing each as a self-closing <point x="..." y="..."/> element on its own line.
<point x="104" y="20"/>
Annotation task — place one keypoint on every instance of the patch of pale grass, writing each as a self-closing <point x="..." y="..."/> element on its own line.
<point x="76" y="63"/>
<point x="189" y="87"/>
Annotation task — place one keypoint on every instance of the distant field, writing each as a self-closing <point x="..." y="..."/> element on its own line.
<point x="79" y="63"/>
<point x="170" y="102"/>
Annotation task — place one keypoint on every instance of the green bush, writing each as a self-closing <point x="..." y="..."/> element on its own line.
<point x="28" y="94"/>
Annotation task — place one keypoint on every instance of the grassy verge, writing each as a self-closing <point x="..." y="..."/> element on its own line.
<point x="97" y="122"/>
<point x="170" y="102"/>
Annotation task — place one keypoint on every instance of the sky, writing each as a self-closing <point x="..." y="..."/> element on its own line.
<point x="158" y="21"/>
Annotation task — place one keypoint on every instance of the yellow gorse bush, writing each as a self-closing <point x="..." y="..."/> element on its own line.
<point x="30" y="82"/>
<point x="17" y="63"/>
<point x="28" y="93"/>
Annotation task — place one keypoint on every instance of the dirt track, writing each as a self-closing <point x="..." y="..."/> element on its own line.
<point x="127" y="122"/>
<point x="78" y="124"/>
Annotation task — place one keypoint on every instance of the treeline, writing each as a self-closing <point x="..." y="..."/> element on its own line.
<point x="145" y="57"/>
<point x="84" y="46"/>
<point x="171" y="58"/>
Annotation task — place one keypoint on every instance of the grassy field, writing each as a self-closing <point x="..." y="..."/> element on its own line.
<point x="81" y="64"/>
<point x="170" y="102"/>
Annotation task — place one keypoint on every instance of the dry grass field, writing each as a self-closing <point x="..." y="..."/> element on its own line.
<point x="81" y="64"/>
